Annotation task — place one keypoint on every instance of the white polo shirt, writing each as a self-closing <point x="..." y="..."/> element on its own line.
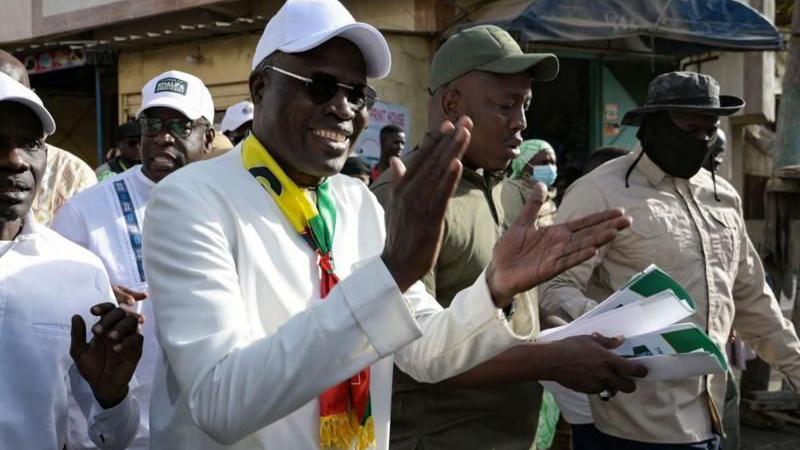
<point x="44" y="281"/>
<point x="94" y="219"/>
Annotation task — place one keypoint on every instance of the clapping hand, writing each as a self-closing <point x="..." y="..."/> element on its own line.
<point x="415" y="226"/>
<point x="108" y="360"/>
<point x="528" y="255"/>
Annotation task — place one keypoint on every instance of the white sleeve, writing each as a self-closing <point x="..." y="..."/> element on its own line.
<point x="109" y="429"/>
<point x="112" y="428"/>
<point x="236" y="385"/>
<point x="470" y="331"/>
<point x="70" y="223"/>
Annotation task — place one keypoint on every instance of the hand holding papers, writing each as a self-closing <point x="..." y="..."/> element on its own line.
<point x="645" y="311"/>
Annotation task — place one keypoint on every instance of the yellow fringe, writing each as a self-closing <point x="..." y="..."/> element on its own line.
<point x="366" y="435"/>
<point x="342" y="431"/>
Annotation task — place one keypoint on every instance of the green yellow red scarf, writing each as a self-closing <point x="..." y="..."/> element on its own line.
<point x="345" y="412"/>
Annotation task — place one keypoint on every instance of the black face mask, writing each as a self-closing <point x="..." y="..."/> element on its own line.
<point x="672" y="149"/>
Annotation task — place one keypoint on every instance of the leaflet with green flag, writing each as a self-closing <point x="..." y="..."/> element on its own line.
<point x="646" y="311"/>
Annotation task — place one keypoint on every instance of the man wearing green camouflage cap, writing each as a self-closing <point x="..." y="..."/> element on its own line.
<point x="482" y="73"/>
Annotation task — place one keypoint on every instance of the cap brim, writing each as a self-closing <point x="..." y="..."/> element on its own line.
<point x="543" y="66"/>
<point x="368" y="39"/>
<point x="728" y="104"/>
<point x="234" y="124"/>
<point x="48" y="124"/>
<point x="172" y="103"/>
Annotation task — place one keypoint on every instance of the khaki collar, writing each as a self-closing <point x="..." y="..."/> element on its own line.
<point x="649" y="169"/>
<point x="654" y="175"/>
<point x="482" y="178"/>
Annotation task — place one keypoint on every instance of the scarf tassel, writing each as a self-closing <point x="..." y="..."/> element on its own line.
<point x="342" y="431"/>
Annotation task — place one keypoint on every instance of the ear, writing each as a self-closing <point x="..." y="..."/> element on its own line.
<point x="209" y="140"/>
<point x="258" y="82"/>
<point x="451" y="104"/>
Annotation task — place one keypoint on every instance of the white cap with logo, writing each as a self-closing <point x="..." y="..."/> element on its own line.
<point x="301" y="25"/>
<point x="13" y="91"/>
<point x="179" y="91"/>
<point x="237" y="115"/>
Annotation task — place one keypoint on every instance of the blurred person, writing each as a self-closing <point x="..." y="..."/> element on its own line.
<point x="536" y="163"/>
<point x="689" y="223"/>
<point x="46" y="280"/>
<point x="482" y="73"/>
<point x="65" y="173"/>
<point x="281" y="302"/>
<point x="175" y="120"/>
<point x="128" y="154"/>
<point x="237" y="121"/>
<point x="393" y="141"/>
<point x="356" y="167"/>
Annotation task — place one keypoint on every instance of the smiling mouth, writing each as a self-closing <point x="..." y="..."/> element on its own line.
<point x="331" y="135"/>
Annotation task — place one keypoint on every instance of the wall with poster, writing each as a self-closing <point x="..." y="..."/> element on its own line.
<point x="368" y="145"/>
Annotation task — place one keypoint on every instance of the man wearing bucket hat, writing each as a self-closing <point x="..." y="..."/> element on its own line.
<point x="48" y="286"/>
<point x="689" y="223"/>
<point x="281" y="303"/>
<point x="175" y="120"/>
<point x="237" y="121"/>
<point x="483" y="73"/>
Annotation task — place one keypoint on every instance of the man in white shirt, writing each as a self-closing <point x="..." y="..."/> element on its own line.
<point x="280" y="310"/>
<point x="44" y="281"/>
<point x="175" y="117"/>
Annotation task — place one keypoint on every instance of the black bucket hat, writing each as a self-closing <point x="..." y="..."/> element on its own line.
<point x="684" y="91"/>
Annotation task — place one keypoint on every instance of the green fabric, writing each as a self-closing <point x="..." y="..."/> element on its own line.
<point x="323" y="226"/>
<point x="487" y="48"/>
<point x="527" y="150"/>
<point x="548" y="420"/>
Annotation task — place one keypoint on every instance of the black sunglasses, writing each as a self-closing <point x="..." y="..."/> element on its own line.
<point x="178" y="128"/>
<point x="322" y="87"/>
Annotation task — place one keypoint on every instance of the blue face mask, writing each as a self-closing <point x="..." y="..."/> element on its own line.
<point x="545" y="173"/>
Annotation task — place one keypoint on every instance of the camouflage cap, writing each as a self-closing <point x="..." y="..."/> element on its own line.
<point x="684" y="91"/>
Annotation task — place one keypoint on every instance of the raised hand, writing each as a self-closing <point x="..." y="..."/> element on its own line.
<point x="108" y="361"/>
<point x="414" y="227"/>
<point x="527" y="255"/>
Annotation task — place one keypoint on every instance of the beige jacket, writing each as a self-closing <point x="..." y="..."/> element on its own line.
<point x="703" y="244"/>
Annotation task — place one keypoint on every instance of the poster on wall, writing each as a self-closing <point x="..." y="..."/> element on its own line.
<point x="368" y="144"/>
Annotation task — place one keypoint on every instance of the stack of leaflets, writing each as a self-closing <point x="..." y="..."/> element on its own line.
<point x="645" y="312"/>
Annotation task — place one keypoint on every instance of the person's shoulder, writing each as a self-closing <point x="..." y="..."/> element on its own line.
<point x="53" y="243"/>
<point x="724" y="189"/>
<point x="68" y="159"/>
<point x="352" y="191"/>
<point x="382" y="186"/>
<point x="88" y="198"/>
<point x="223" y="174"/>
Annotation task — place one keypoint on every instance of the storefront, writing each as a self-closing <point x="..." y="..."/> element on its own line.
<point x="609" y="51"/>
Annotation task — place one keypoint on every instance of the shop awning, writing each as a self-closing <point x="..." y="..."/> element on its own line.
<point x="656" y="26"/>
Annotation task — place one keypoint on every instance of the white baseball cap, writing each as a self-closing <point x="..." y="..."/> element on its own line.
<point x="237" y="115"/>
<point x="13" y="91"/>
<point x="301" y="25"/>
<point x="179" y="91"/>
